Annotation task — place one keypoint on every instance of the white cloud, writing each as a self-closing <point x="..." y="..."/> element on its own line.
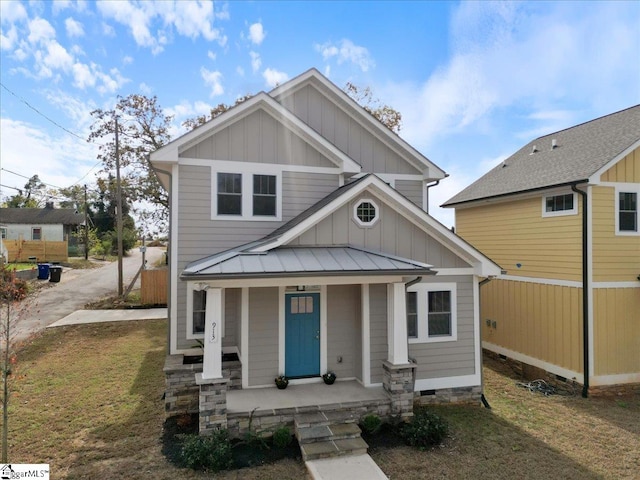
<point x="74" y="28"/>
<point x="211" y="55"/>
<point x="240" y="71"/>
<point x="274" y="77"/>
<point x="346" y="51"/>
<point x="256" y="61"/>
<point x="212" y="80"/>
<point x="40" y="31"/>
<point x="8" y="40"/>
<point x="11" y="12"/>
<point x="145" y="89"/>
<point x="127" y="60"/>
<point x="108" y="30"/>
<point x="257" y="33"/>
<point x="82" y="76"/>
<point x="60" y="5"/>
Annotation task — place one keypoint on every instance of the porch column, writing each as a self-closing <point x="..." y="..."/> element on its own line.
<point x="397" y="324"/>
<point x="212" y="362"/>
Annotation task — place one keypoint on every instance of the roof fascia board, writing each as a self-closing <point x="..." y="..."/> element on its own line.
<point x="341" y="273"/>
<point x="390" y="139"/>
<point x="441" y="233"/>
<point x="595" y="177"/>
<point x="170" y="152"/>
<point x="507" y="197"/>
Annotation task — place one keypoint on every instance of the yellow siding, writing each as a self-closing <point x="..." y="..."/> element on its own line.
<point x="626" y="170"/>
<point x="616" y="258"/>
<point x="542" y="321"/>
<point x="616" y="327"/>
<point x="515" y="232"/>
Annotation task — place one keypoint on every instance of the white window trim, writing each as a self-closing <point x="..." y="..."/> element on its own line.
<point x="355" y="213"/>
<point x="626" y="188"/>
<point x="197" y="286"/>
<point x="561" y="213"/>
<point x="34" y="228"/>
<point x="3" y="232"/>
<point x="422" y="290"/>
<point x="247" y="194"/>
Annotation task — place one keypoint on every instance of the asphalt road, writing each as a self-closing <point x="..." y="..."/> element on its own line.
<point x="77" y="288"/>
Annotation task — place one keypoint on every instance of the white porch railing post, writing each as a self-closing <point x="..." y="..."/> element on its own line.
<point x="397" y="324"/>
<point x="212" y="365"/>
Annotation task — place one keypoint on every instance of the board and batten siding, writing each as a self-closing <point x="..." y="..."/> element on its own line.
<point x="258" y="138"/>
<point x="616" y="327"/>
<point x="199" y="236"/>
<point x="515" y="233"/>
<point x="412" y="189"/>
<point x="343" y="330"/>
<point x="626" y="170"/>
<point x="379" y="350"/>
<point x="392" y="233"/>
<point x="345" y="132"/>
<point x="534" y="319"/>
<point x="263" y="335"/>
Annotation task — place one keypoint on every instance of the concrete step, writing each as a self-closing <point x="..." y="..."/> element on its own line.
<point x="333" y="448"/>
<point x="324" y="418"/>
<point x="322" y="433"/>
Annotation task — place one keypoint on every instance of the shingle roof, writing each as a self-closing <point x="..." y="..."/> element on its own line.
<point x="40" y="216"/>
<point x="298" y="261"/>
<point x="580" y="152"/>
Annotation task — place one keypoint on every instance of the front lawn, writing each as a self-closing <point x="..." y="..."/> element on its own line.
<point x="87" y="400"/>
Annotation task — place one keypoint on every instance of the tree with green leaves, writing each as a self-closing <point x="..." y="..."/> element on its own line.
<point x="32" y="196"/>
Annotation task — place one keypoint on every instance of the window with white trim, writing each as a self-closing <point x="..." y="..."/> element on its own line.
<point x="366" y="212"/>
<point x="199" y="312"/>
<point x="246" y="196"/>
<point x="432" y="312"/>
<point x="627" y="210"/>
<point x="36" y="233"/>
<point x="557" y="205"/>
<point x="3" y="232"/>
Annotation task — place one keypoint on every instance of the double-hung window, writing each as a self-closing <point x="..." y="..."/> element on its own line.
<point x="246" y="196"/>
<point x="199" y="310"/>
<point x="36" y="233"/>
<point x="626" y="209"/>
<point x="432" y="312"/>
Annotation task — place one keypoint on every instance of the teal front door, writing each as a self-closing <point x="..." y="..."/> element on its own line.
<point x="302" y="335"/>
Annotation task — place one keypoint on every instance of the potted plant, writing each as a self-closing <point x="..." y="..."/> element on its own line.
<point x="329" y="378"/>
<point x="282" y="382"/>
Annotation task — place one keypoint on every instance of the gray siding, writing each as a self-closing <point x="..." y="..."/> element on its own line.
<point x="258" y="138"/>
<point x="345" y="132"/>
<point x="392" y="234"/>
<point x="263" y="335"/>
<point x="378" y="329"/>
<point x="412" y="189"/>
<point x="199" y="236"/>
<point x="450" y="359"/>
<point x="343" y="330"/>
<point x="231" y="317"/>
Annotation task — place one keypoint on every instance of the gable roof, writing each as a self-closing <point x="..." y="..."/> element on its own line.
<point x="40" y="216"/>
<point x="170" y="152"/>
<point x="580" y="152"/>
<point x="356" y="111"/>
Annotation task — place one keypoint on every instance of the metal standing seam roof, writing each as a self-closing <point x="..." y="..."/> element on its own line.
<point x="303" y="261"/>
<point x="580" y="152"/>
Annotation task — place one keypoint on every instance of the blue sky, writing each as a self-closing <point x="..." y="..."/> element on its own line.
<point x="474" y="81"/>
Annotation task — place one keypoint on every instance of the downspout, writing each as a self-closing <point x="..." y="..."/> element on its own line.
<point x="483" y="399"/>
<point x="585" y="292"/>
<point x="426" y="207"/>
<point x="170" y="280"/>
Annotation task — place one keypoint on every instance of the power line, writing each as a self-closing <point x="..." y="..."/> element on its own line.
<point x="29" y="178"/>
<point x="42" y="114"/>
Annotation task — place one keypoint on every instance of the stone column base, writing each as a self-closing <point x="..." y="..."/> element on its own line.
<point x="213" y="403"/>
<point x="397" y="381"/>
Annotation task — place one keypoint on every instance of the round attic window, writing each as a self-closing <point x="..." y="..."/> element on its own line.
<point x="366" y="213"/>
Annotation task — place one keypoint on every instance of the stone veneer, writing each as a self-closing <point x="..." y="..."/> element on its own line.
<point x="398" y="382"/>
<point x="213" y="403"/>
<point x="469" y="395"/>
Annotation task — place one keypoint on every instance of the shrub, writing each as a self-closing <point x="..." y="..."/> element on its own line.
<point x="282" y="437"/>
<point x="426" y="429"/>
<point x="211" y="452"/>
<point x="371" y="423"/>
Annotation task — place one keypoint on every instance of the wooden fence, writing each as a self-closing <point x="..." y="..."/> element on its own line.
<point x="42" y="250"/>
<point x="153" y="287"/>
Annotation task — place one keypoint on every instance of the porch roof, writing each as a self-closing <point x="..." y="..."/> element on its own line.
<point x="302" y="261"/>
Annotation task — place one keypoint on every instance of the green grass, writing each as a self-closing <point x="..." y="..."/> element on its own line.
<point x="19" y="266"/>
<point x="87" y="400"/>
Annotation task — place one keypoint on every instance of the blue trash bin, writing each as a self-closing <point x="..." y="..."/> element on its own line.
<point x="43" y="271"/>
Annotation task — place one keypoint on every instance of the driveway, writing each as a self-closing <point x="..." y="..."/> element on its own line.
<point x="78" y="287"/>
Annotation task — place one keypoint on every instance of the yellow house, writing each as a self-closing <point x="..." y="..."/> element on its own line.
<point x="561" y="217"/>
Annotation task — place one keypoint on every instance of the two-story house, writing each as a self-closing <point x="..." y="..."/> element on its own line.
<point x="300" y="244"/>
<point x="561" y="216"/>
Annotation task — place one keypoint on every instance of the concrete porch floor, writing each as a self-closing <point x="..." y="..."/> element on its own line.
<point x="307" y="395"/>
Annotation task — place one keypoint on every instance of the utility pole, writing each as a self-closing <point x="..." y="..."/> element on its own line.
<point x="119" y="212"/>
<point x="86" y="225"/>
